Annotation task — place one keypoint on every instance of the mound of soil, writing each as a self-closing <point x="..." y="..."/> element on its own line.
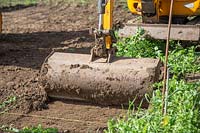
<point x="28" y="93"/>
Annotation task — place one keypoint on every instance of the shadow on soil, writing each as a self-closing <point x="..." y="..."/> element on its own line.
<point x="145" y="104"/>
<point x="77" y="102"/>
<point x="11" y="8"/>
<point x="29" y="50"/>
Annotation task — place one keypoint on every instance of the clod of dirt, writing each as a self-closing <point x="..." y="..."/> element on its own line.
<point x="30" y="95"/>
<point x="33" y="98"/>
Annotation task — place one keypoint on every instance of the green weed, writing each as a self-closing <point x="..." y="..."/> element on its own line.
<point x="9" y="3"/>
<point x="137" y="46"/>
<point x="11" y="129"/>
<point x="4" y="104"/>
<point x="38" y="129"/>
<point x="183" y="112"/>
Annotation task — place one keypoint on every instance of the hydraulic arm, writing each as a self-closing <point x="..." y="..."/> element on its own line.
<point x="71" y="76"/>
<point x="153" y="12"/>
<point x="104" y="36"/>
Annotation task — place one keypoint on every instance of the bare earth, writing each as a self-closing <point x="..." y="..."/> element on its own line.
<point x="29" y="35"/>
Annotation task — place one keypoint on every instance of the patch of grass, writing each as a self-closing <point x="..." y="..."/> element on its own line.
<point x="79" y="1"/>
<point x="9" y="3"/>
<point x="11" y="129"/>
<point x="137" y="46"/>
<point x="4" y="104"/>
<point x="181" y="60"/>
<point x="183" y="112"/>
<point x="123" y="4"/>
<point x="38" y="129"/>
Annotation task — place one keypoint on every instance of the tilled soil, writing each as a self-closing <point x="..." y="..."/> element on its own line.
<point x="29" y="35"/>
<point x="73" y="117"/>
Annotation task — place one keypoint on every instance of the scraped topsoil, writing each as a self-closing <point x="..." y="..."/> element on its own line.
<point x="29" y="35"/>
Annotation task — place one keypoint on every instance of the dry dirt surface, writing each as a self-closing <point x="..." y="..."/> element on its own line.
<point x="29" y="35"/>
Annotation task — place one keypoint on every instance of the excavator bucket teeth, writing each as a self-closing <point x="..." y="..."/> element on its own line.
<point x="72" y="76"/>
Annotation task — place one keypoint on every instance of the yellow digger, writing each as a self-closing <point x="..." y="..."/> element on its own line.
<point x="155" y="14"/>
<point x="105" y="79"/>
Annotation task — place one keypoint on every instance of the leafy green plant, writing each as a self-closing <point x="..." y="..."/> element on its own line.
<point x="11" y="129"/>
<point x="8" y="3"/>
<point x="137" y="46"/>
<point x="183" y="61"/>
<point x="182" y="117"/>
<point x="4" y="104"/>
<point x="183" y="112"/>
<point x="38" y="129"/>
<point x="10" y="100"/>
